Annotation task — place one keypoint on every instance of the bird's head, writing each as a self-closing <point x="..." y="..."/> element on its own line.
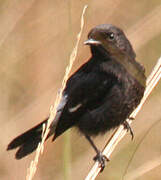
<point x="109" y="39"/>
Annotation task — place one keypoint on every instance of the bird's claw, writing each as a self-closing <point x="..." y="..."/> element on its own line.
<point x="128" y="128"/>
<point x="131" y="118"/>
<point x="101" y="159"/>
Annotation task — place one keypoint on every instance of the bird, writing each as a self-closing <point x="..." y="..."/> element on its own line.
<point x="98" y="97"/>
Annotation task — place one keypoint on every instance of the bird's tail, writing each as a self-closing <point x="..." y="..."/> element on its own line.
<point x="28" y="141"/>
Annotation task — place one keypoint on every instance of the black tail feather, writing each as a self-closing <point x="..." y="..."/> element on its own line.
<point x="28" y="141"/>
<point x="27" y="148"/>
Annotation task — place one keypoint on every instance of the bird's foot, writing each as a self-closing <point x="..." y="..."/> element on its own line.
<point x="128" y="128"/>
<point x="131" y="118"/>
<point x="101" y="159"/>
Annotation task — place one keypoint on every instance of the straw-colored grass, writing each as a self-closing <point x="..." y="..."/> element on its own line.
<point x="33" y="166"/>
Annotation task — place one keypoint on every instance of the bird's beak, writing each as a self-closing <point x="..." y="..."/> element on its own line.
<point x="92" y="42"/>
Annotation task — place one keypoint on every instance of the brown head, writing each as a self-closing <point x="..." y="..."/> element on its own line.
<point x="110" y="38"/>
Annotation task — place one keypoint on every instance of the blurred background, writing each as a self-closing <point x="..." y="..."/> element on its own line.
<point x="36" y="39"/>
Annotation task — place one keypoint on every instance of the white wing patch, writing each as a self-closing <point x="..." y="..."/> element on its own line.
<point x="60" y="107"/>
<point x="62" y="103"/>
<point x="73" y="109"/>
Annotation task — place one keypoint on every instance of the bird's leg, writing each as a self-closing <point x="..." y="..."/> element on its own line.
<point x="99" y="156"/>
<point x="127" y="126"/>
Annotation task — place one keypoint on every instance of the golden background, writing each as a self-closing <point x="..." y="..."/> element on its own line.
<point x="36" y="39"/>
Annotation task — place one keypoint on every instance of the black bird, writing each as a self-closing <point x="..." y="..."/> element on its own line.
<point x="99" y="96"/>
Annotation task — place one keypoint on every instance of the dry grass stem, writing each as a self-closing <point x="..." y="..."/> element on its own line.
<point x="34" y="163"/>
<point x="152" y="81"/>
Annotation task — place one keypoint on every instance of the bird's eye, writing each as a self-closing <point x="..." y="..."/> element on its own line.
<point x="110" y="36"/>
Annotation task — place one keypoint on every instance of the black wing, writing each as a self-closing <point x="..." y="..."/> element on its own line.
<point x="84" y="92"/>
